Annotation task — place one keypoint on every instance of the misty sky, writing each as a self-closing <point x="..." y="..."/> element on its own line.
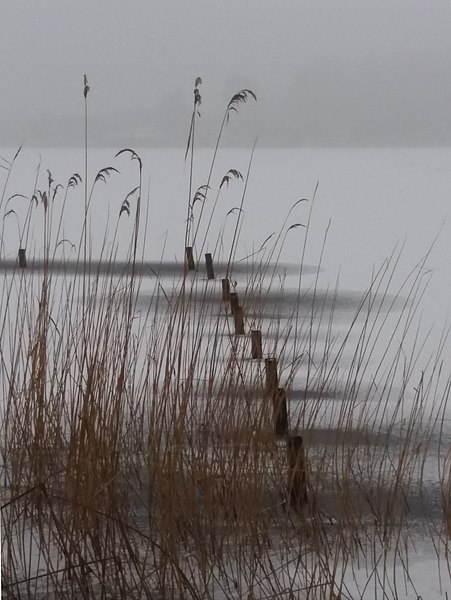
<point x="326" y="72"/>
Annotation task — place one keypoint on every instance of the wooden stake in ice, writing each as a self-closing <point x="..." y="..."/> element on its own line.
<point x="190" y="258"/>
<point x="209" y="263"/>
<point x="22" y="258"/>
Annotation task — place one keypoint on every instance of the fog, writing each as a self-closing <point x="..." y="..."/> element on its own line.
<point x="329" y="72"/>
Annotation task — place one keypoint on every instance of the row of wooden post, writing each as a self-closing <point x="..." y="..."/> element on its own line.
<point x="297" y="468"/>
<point x="297" y="464"/>
<point x="277" y="395"/>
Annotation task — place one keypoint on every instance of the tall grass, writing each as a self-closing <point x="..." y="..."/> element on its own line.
<point x="139" y="454"/>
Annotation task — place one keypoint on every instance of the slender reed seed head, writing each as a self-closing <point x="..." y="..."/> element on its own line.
<point x="86" y="86"/>
<point x="228" y="176"/>
<point x="197" y="96"/>
<point x="240" y="97"/>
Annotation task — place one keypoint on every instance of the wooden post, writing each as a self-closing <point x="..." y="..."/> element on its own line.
<point x="281" y="412"/>
<point x="297" y="472"/>
<point x="22" y="258"/>
<point x="239" y="321"/>
<point x="272" y="380"/>
<point x="256" y="343"/>
<point x="225" y="289"/>
<point x="209" y="263"/>
<point x="233" y="296"/>
<point x="190" y="258"/>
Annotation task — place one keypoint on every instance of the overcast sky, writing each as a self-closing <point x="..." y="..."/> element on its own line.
<point x="326" y="72"/>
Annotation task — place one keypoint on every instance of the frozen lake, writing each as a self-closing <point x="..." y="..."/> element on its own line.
<point x="370" y="203"/>
<point x="375" y="199"/>
<point x="373" y="208"/>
